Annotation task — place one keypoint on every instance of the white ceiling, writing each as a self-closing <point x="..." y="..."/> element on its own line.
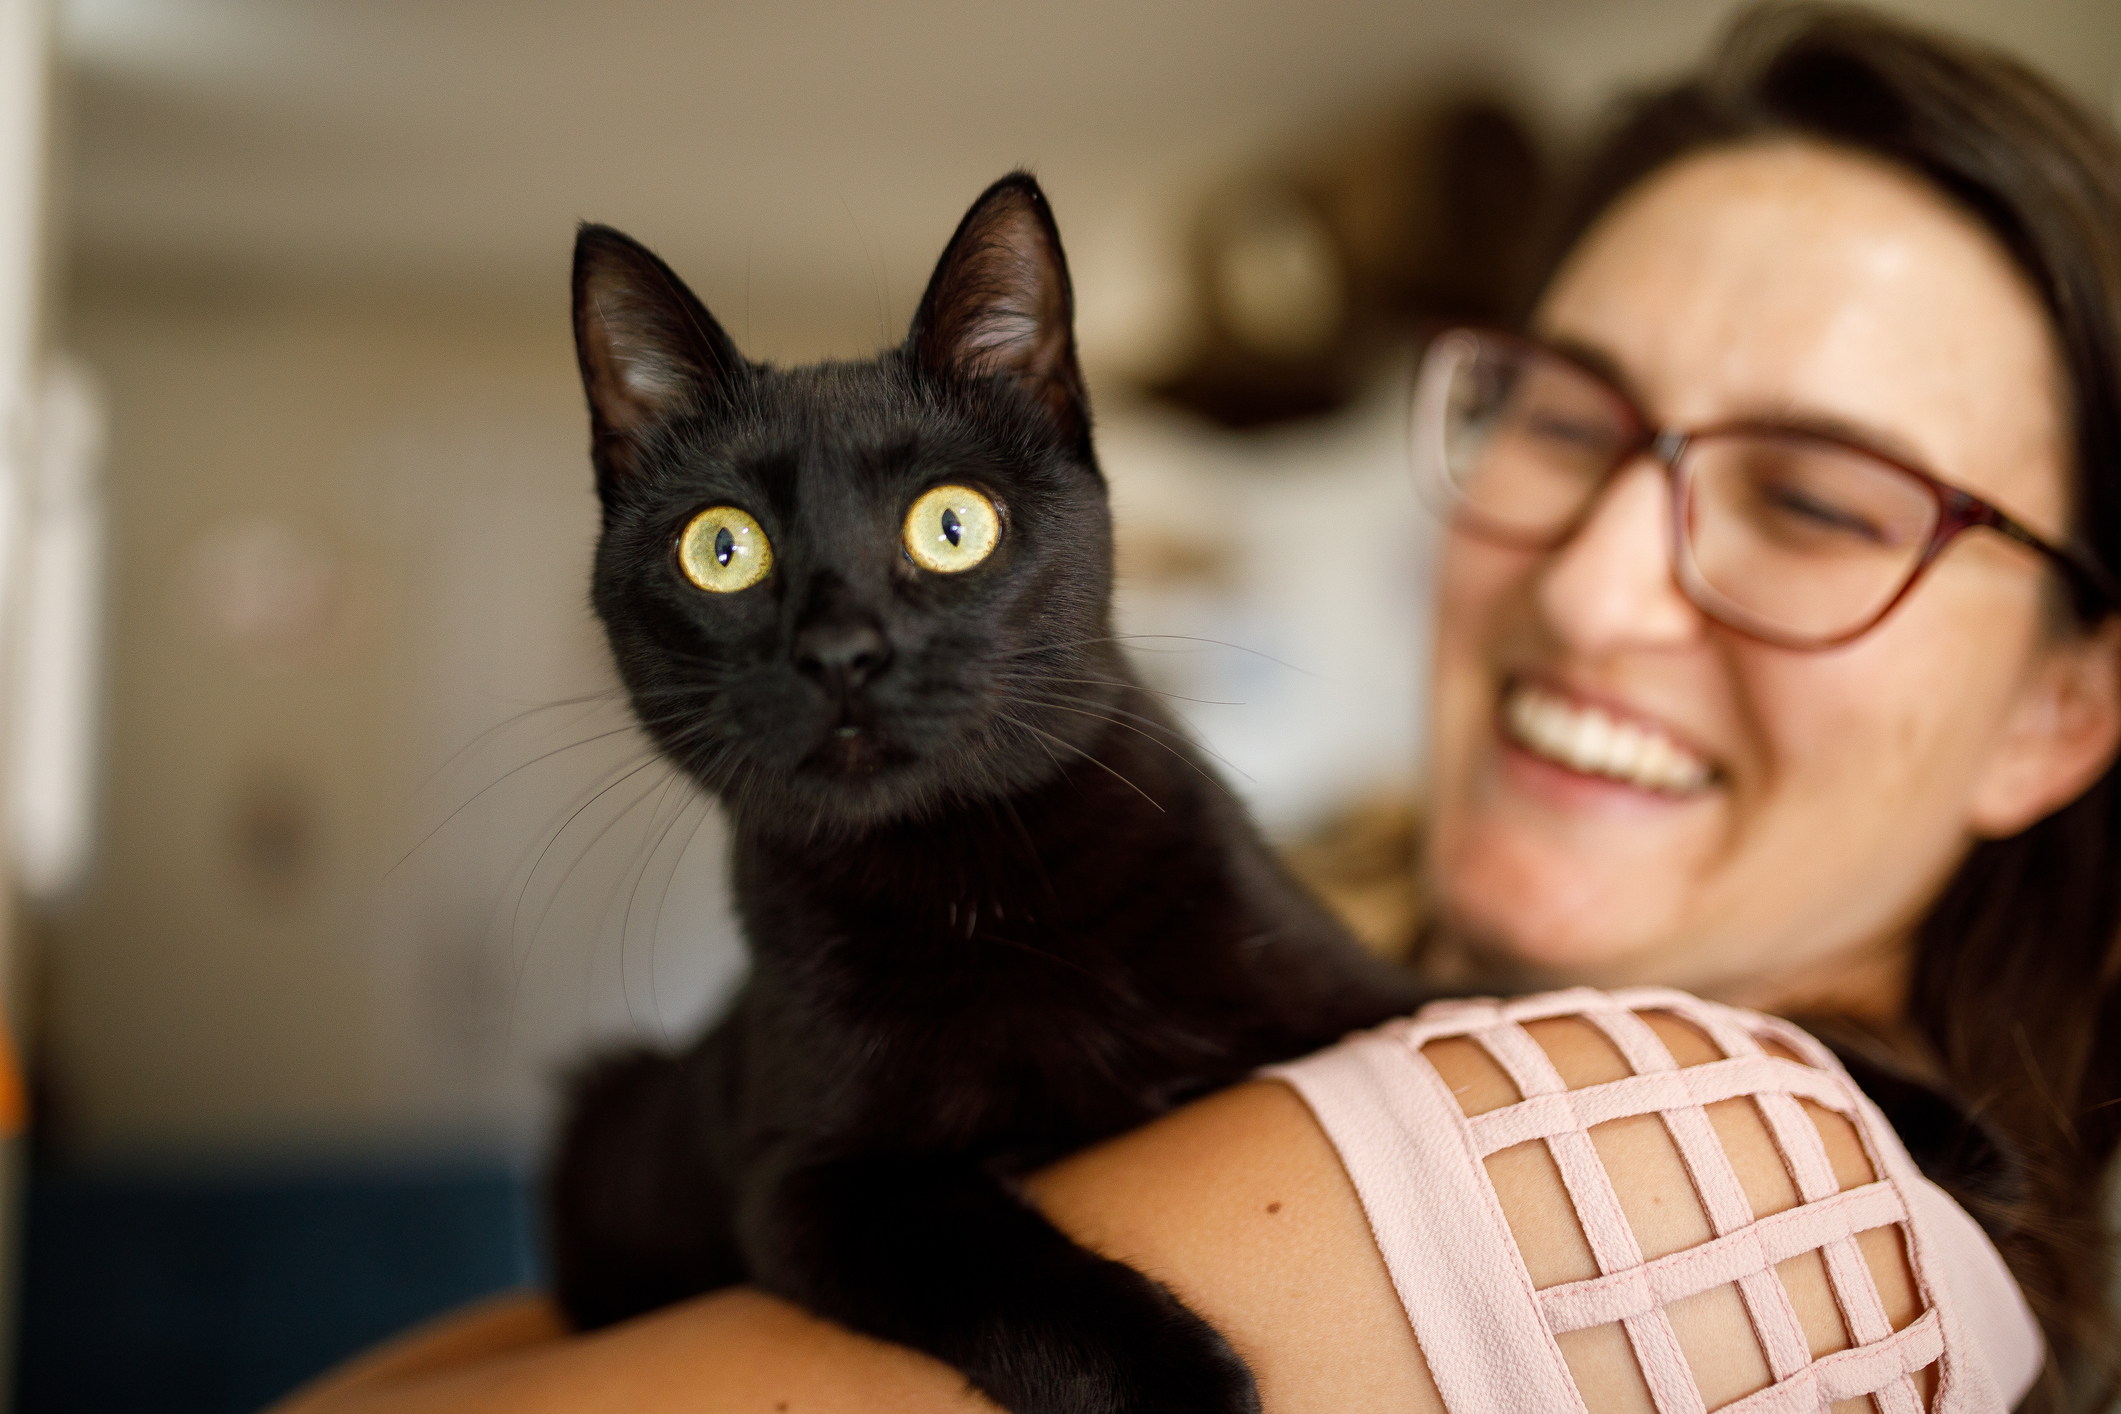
<point x="801" y="161"/>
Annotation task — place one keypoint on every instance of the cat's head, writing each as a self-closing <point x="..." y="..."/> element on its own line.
<point x="852" y="593"/>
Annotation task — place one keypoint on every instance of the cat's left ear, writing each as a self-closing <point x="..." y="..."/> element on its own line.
<point x="649" y="349"/>
<point x="999" y="303"/>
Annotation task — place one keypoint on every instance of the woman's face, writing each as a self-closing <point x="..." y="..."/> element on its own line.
<point x="1836" y="789"/>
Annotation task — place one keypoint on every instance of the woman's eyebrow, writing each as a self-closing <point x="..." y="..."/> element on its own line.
<point x="1815" y="422"/>
<point x="1596" y="361"/>
<point x="1834" y="427"/>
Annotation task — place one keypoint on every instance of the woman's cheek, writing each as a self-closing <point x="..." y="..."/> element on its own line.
<point x="1477" y="586"/>
<point x="1866" y="752"/>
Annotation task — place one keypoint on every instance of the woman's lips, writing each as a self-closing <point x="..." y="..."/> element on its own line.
<point x="1589" y="740"/>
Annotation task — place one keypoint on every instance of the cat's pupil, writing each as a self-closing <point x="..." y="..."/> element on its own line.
<point x="953" y="529"/>
<point x="724" y="546"/>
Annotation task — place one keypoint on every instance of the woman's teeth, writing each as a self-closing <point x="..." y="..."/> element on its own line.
<point x="1586" y="739"/>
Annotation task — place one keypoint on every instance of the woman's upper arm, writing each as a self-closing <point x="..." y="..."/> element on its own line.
<point x="1239" y="1205"/>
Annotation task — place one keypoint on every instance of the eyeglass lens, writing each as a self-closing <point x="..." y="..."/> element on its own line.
<point x="1786" y="534"/>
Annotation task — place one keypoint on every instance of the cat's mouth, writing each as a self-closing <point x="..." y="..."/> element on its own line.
<point x="854" y="747"/>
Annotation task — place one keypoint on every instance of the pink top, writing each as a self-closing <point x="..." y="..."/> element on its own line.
<point x="1489" y="1336"/>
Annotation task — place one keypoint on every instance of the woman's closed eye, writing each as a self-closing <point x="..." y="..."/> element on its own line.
<point x="1803" y="512"/>
<point x="1560" y="428"/>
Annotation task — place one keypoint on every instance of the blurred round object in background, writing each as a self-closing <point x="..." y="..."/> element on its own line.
<point x="1279" y="281"/>
<point x="1312" y="272"/>
<point x="264" y="590"/>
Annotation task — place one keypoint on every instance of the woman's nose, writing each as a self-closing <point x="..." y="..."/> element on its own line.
<point x="1611" y="585"/>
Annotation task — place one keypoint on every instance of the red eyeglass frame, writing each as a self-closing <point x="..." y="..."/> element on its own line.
<point x="2095" y="592"/>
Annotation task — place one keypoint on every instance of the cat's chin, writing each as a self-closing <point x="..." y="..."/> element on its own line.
<point x="850" y="754"/>
<point x="815" y="808"/>
<point x="848" y="785"/>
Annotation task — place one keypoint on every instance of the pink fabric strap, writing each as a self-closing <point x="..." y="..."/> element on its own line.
<point x="1488" y="1335"/>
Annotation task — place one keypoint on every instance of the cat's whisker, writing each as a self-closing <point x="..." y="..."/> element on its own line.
<point x="548" y="833"/>
<point x="640" y="873"/>
<point x="1012" y="721"/>
<point x="1053" y="647"/>
<point x="1211" y="643"/>
<point x="707" y="727"/>
<point x="1071" y="746"/>
<point x="1191" y="731"/>
<point x="530" y="879"/>
<point x="1012" y="676"/>
<point x="582" y="801"/>
<point x="655" y="985"/>
<point x="609" y="694"/>
<point x="1087" y="712"/>
<point x="698" y="723"/>
<point x="611" y="894"/>
<point x="1071" y="703"/>
<point x="550" y="839"/>
<point x="1029" y="682"/>
<point x="1131" y="638"/>
<point x="475" y="796"/>
<point x="1039" y="738"/>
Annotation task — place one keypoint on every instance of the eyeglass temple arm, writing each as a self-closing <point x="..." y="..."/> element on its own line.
<point x="2086" y="571"/>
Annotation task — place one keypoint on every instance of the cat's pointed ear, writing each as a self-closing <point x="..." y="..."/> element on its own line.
<point x="649" y="349"/>
<point x="999" y="303"/>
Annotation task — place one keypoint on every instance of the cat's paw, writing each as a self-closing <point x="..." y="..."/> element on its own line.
<point x="1119" y="1343"/>
<point x="934" y="1254"/>
<point x="1181" y="1365"/>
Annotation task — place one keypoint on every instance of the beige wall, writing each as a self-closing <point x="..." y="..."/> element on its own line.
<point x="223" y="980"/>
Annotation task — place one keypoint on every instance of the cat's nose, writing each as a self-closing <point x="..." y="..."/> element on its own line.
<point x="841" y="653"/>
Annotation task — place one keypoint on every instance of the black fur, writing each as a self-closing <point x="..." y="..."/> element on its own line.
<point x="997" y="905"/>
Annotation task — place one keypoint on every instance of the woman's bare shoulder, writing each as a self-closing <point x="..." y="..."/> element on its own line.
<point x="1239" y="1204"/>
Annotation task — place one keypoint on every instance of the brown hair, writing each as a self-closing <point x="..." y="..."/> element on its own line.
<point x="2013" y="977"/>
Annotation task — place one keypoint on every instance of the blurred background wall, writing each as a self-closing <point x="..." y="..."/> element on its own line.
<point x="358" y="887"/>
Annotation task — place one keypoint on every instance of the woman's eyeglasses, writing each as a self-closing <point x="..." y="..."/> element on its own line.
<point x="1793" y="537"/>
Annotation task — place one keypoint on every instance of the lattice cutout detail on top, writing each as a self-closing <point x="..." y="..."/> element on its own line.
<point x="1744" y="1251"/>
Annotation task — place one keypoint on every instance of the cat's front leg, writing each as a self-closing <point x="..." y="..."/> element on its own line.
<point x="935" y="1254"/>
<point x="641" y="1194"/>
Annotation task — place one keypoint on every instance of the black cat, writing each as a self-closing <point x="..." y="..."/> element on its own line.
<point x="997" y="906"/>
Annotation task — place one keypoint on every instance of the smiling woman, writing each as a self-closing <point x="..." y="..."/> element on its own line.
<point x="1827" y="728"/>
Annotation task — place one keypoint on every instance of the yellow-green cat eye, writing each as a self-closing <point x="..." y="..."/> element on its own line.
<point x="723" y="550"/>
<point x="952" y="528"/>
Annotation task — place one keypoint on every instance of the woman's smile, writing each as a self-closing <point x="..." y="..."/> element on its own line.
<point x="1585" y="738"/>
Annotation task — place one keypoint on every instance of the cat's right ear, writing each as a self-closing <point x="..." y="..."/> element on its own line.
<point x="649" y="349"/>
